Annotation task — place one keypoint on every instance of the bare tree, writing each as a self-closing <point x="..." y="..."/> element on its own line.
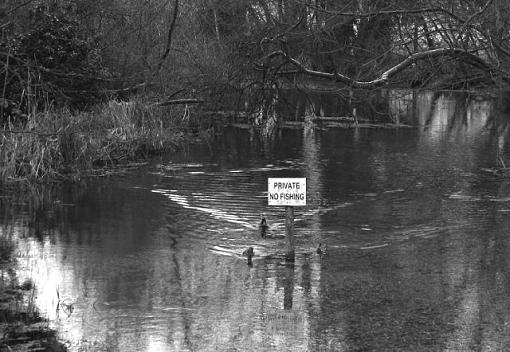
<point x="368" y="44"/>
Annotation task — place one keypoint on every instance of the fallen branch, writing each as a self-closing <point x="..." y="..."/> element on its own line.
<point x="128" y="89"/>
<point x="180" y="101"/>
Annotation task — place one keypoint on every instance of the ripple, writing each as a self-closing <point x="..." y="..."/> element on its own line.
<point x="376" y="246"/>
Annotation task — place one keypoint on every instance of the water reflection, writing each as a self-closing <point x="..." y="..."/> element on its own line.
<point x="415" y="228"/>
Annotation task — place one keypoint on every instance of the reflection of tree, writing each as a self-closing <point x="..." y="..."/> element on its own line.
<point x="313" y="173"/>
<point x="500" y="123"/>
<point x="186" y="313"/>
<point x="288" y="286"/>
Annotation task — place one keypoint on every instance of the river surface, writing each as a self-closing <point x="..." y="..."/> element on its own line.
<point x="416" y="223"/>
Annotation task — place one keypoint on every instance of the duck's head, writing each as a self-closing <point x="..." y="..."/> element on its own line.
<point x="249" y="252"/>
<point x="321" y="249"/>
<point x="263" y="227"/>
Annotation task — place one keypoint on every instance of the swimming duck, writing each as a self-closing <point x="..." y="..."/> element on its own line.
<point x="321" y="250"/>
<point x="249" y="253"/>
<point x="263" y="227"/>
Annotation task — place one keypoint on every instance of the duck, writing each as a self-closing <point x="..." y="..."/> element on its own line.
<point x="321" y="250"/>
<point x="249" y="253"/>
<point x="263" y="227"/>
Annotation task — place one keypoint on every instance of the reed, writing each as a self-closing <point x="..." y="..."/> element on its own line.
<point x="56" y="143"/>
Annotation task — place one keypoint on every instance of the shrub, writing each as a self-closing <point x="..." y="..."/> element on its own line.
<point x="50" y="59"/>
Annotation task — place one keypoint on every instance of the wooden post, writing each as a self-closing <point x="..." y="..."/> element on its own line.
<point x="289" y="234"/>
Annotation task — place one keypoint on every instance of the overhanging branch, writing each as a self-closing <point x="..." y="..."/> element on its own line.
<point x="383" y="79"/>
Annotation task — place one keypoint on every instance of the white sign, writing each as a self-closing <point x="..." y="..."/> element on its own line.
<point x="286" y="191"/>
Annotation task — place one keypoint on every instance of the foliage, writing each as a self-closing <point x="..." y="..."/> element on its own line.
<point x="68" y="56"/>
<point x="49" y="58"/>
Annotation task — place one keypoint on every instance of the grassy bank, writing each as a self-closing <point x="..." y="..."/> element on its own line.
<point x="54" y="144"/>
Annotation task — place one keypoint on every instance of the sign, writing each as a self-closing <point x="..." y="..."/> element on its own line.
<point x="290" y="192"/>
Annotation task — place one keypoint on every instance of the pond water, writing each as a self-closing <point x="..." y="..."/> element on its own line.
<point x="415" y="222"/>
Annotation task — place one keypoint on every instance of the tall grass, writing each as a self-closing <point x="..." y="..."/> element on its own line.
<point x="55" y="143"/>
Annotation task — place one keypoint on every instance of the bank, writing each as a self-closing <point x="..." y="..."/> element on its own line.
<point x="56" y="144"/>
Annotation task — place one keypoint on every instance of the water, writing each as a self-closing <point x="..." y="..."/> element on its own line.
<point x="415" y="222"/>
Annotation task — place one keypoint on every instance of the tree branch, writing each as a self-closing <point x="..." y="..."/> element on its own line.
<point x="387" y="12"/>
<point x="169" y="37"/>
<point x="482" y="10"/>
<point x="386" y="75"/>
<point x="26" y="63"/>
<point x="18" y="7"/>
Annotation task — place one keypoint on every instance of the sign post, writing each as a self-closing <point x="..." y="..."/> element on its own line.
<point x="288" y="192"/>
<point x="289" y="233"/>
